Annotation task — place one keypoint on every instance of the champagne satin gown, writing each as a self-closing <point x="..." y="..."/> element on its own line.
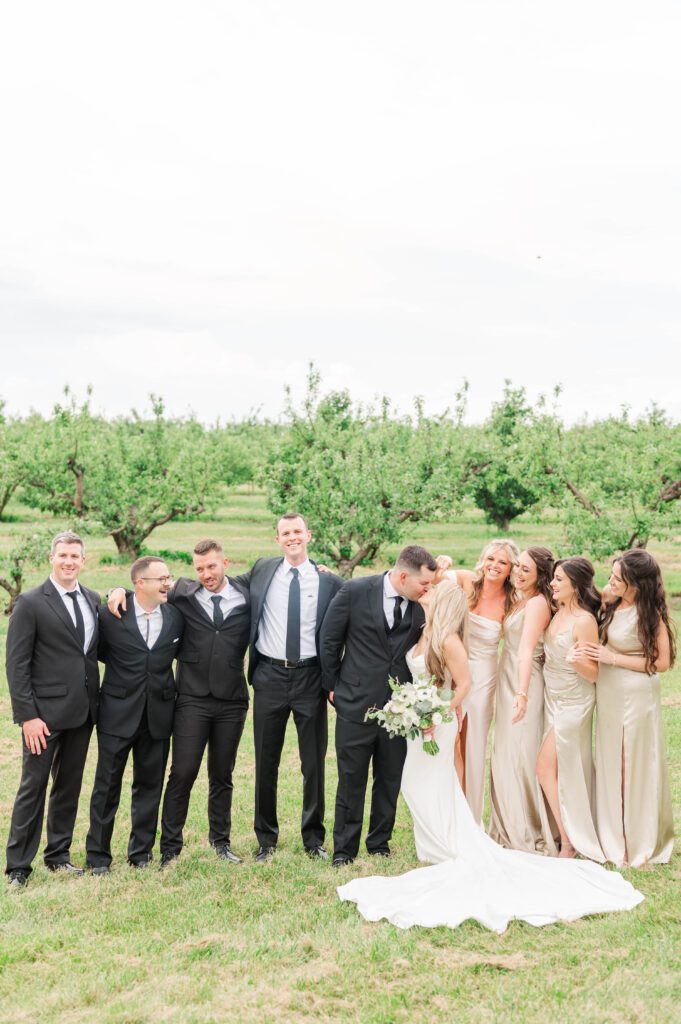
<point x="478" y="707"/>
<point x="629" y="723"/>
<point x="520" y="819"/>
<point x="569" y="702"/>
<point x="471" y="877"/>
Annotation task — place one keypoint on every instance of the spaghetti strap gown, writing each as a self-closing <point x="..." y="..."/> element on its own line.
<point x="478" y="706"/>
<point x="569" y="702"/>
<point x="519" y="817"/>
<point x="472" y="877"/>
<point x="640" y="829"/>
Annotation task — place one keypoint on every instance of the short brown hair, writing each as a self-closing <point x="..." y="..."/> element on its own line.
<point x="67" y="537"/>
<point x="413" y="558"/>
<point x="292" y="515"/>
<point x="206" y="545"/>
<point x="142" y="564"/>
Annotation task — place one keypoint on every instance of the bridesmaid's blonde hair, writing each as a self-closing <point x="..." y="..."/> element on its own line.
<point x="510" y="594"/>
<point x="447" y="613"/>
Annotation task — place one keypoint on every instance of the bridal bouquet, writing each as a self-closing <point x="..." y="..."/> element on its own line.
<point x="412" y="707"/>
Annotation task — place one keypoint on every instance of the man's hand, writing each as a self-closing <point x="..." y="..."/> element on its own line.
<point x="117" y="601"/>
<point x="330" y="696"/>
<point x="35" y="731"/>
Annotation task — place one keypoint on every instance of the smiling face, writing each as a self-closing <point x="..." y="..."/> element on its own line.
<point x="67" y="560"/>
<point x="497" y="565"/>
<point x="153" y="585"/>
<point x="210" y="569"/>
<point x="293" y="537"/>
<point x="561" y="586"/>
<point x="617" y="586"/>
<point x="525" y="574"/>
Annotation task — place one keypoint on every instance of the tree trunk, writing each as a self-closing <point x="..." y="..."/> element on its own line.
<point x="13" y="589"/>
<point x="127" y="542"/>
<point x="638" y="540"/>
<point x="5" y="495"/>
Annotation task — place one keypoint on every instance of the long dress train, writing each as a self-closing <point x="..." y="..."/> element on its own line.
<point x="472" y="876"/>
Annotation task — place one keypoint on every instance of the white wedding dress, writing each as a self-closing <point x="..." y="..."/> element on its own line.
<point x="472" y="876"/>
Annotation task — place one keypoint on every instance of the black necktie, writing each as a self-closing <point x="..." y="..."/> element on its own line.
<point x="397" y="614"/>
<point x="218" y="617"/>
<point x="293" y="619"/>
<point x="80" y="622"/>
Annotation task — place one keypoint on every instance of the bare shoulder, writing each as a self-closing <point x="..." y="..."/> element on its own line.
<point x="453" y="646"/>
<point x="585" y="626"/>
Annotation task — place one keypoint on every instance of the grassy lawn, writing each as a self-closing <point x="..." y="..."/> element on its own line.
<point x="207" y="941"/>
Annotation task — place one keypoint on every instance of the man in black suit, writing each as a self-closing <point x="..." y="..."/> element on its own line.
<point x="369" y="627"/>
<point x="137" y="701"/>
<point x="289" y="598"/>
<point x="212" y="696"/>
<point x="53" y="679"/>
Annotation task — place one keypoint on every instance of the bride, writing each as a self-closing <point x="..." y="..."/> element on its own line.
<point x="472" y="876"/>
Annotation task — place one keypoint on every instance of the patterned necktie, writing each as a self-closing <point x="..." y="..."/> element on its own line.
<point x="218" y="617"/>
<point x="80" y="622"/>
<point x="293" y="618"/>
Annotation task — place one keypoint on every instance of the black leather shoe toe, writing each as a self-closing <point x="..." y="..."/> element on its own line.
<point x="317" y="853"/>
<point x="341" y="862"/>
<point x="226" y="853"/>
<point x="264" y="853"/>
<point x="67" y="868"/>
<point x="17" y="880"/>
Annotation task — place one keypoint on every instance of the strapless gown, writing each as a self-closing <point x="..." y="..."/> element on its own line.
<point x="472" y="877"/>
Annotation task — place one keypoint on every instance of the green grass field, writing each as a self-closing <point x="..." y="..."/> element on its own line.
<point x="210" y="942"/>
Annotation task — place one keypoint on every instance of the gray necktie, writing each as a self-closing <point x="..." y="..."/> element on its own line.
<point x="293" y="619"/>
<point x="218" y="617"/>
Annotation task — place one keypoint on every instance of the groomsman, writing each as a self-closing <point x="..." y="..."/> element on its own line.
<point x="53" y="679"/>
<point x="370" y="625"/>
<point x="136" y="708"/>
<point x="289" y="598"/>
<point x="212" y="699"/>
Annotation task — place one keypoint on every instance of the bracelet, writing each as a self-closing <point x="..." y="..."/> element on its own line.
<point x="521" y="693"/>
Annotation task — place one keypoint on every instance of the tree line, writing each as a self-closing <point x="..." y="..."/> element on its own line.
<point x="361" y="474"/>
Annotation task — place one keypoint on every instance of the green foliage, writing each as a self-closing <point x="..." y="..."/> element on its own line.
<point x="31" y="550"/>
<point x="13" y="441"/>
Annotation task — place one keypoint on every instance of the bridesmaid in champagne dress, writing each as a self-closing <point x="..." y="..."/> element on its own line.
<point x="519" y="818"/>
<point x="633" y="800"/>
<point x="491" y="596"/>
<point x="565" y="764"/>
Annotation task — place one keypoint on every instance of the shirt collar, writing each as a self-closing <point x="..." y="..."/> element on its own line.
<point x="304" y="568"/>
<point x="388" y="588"/>
<point x="62" y="590"/>
<point x="219" y="593"/>
<point x="139" y="610"/>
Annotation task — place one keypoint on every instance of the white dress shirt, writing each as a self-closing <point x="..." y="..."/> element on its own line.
<point x="389" y="595"/>
<point x="272" y="633"/>
<point x="154" y="619"/>
<point x="86" y="610"/>
<point x="230" y="598"/>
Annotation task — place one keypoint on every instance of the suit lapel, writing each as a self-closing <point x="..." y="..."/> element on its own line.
<point x="326" y="592"/>
<point x="268" y="576"/>
<point x="165" y="628"/>
<point x="94" y="608"/>
<point x="56" y="603"/>
<point x="130" y="624"/>
<point x="375" y="597"/>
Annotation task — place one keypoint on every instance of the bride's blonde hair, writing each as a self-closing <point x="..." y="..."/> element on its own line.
<point x="447" y="613"/>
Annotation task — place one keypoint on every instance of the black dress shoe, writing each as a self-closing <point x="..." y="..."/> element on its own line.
<point x="67" y="867"/>
<point x="378" y="853"/>
<point x="17" y="880"/>
<point x="341" y="862"/>
<point x="224" y="852"/>
<point x="317" y="853"/>
<point x="264" y="853"/>
<point x="140" y="865"/>
<point x="100" y="869"/>
<point x="168" y="858"/>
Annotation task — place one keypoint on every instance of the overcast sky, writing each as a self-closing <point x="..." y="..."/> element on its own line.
<point x="197" y="199"/>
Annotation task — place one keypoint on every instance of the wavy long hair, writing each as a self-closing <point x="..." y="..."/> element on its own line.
<point x="580" y="572"/>
<point x="447" y="613"/>
<point x="639" y="570"/>
<point x="544" y="563"/>
<point x="510" y="593"/>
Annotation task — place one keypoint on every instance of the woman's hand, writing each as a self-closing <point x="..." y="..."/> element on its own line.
<point x="594" y="652"/>
<point x="519" y="707"/>
<point x="429" y="733"/>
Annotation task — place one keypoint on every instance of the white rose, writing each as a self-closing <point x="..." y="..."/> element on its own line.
<point x="437" y="718"/>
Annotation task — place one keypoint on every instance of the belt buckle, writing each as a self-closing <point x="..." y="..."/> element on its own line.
<point x="289" y="664"/>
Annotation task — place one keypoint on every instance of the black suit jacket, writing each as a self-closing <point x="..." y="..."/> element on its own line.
<point x="258" y="580"/>
<point x="136" y="676"/>
<point x="211" y="661"/>
<point x="356" y="654"/>
<point x="49" y="676"/>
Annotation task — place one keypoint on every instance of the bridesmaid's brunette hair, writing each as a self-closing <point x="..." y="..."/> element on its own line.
<point x="446" y="613"/>
<point x="544" y="562"/>
<point x="510" y="594"/>
<point x="639" y="570"/>
<point x="580" y="572"/>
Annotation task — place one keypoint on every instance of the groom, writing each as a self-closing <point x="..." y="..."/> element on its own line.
<point x="369" y="627"/>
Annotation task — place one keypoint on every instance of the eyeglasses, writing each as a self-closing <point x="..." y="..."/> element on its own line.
<point x="156" y="579"/>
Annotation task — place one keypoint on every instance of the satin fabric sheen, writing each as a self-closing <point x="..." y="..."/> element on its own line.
<point x="478" y="706"/>
<point x="473" y="877"/>
<point x="569" y="702"/>
<point x="629" y="720"/>
<point x="519" y="818"/>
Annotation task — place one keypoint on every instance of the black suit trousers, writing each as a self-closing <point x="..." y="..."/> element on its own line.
<point x="64" y="759"/>
<point x="199" y="721"/>
<point x="359" y="744"/>
<point x="277" y="693"/>
<point x="149" y="759"/>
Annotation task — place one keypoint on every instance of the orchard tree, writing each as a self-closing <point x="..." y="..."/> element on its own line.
<point x="13" y="440"/>
<point x="28" y="552"/>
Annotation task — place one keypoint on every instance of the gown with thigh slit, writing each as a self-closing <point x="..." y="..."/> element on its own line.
<point x="478" y="705"/>
<point x="569" y="702"/>
<point x="629" y="726"/>
<point x="472" y="877"/>
<point x="519" y="817"/>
